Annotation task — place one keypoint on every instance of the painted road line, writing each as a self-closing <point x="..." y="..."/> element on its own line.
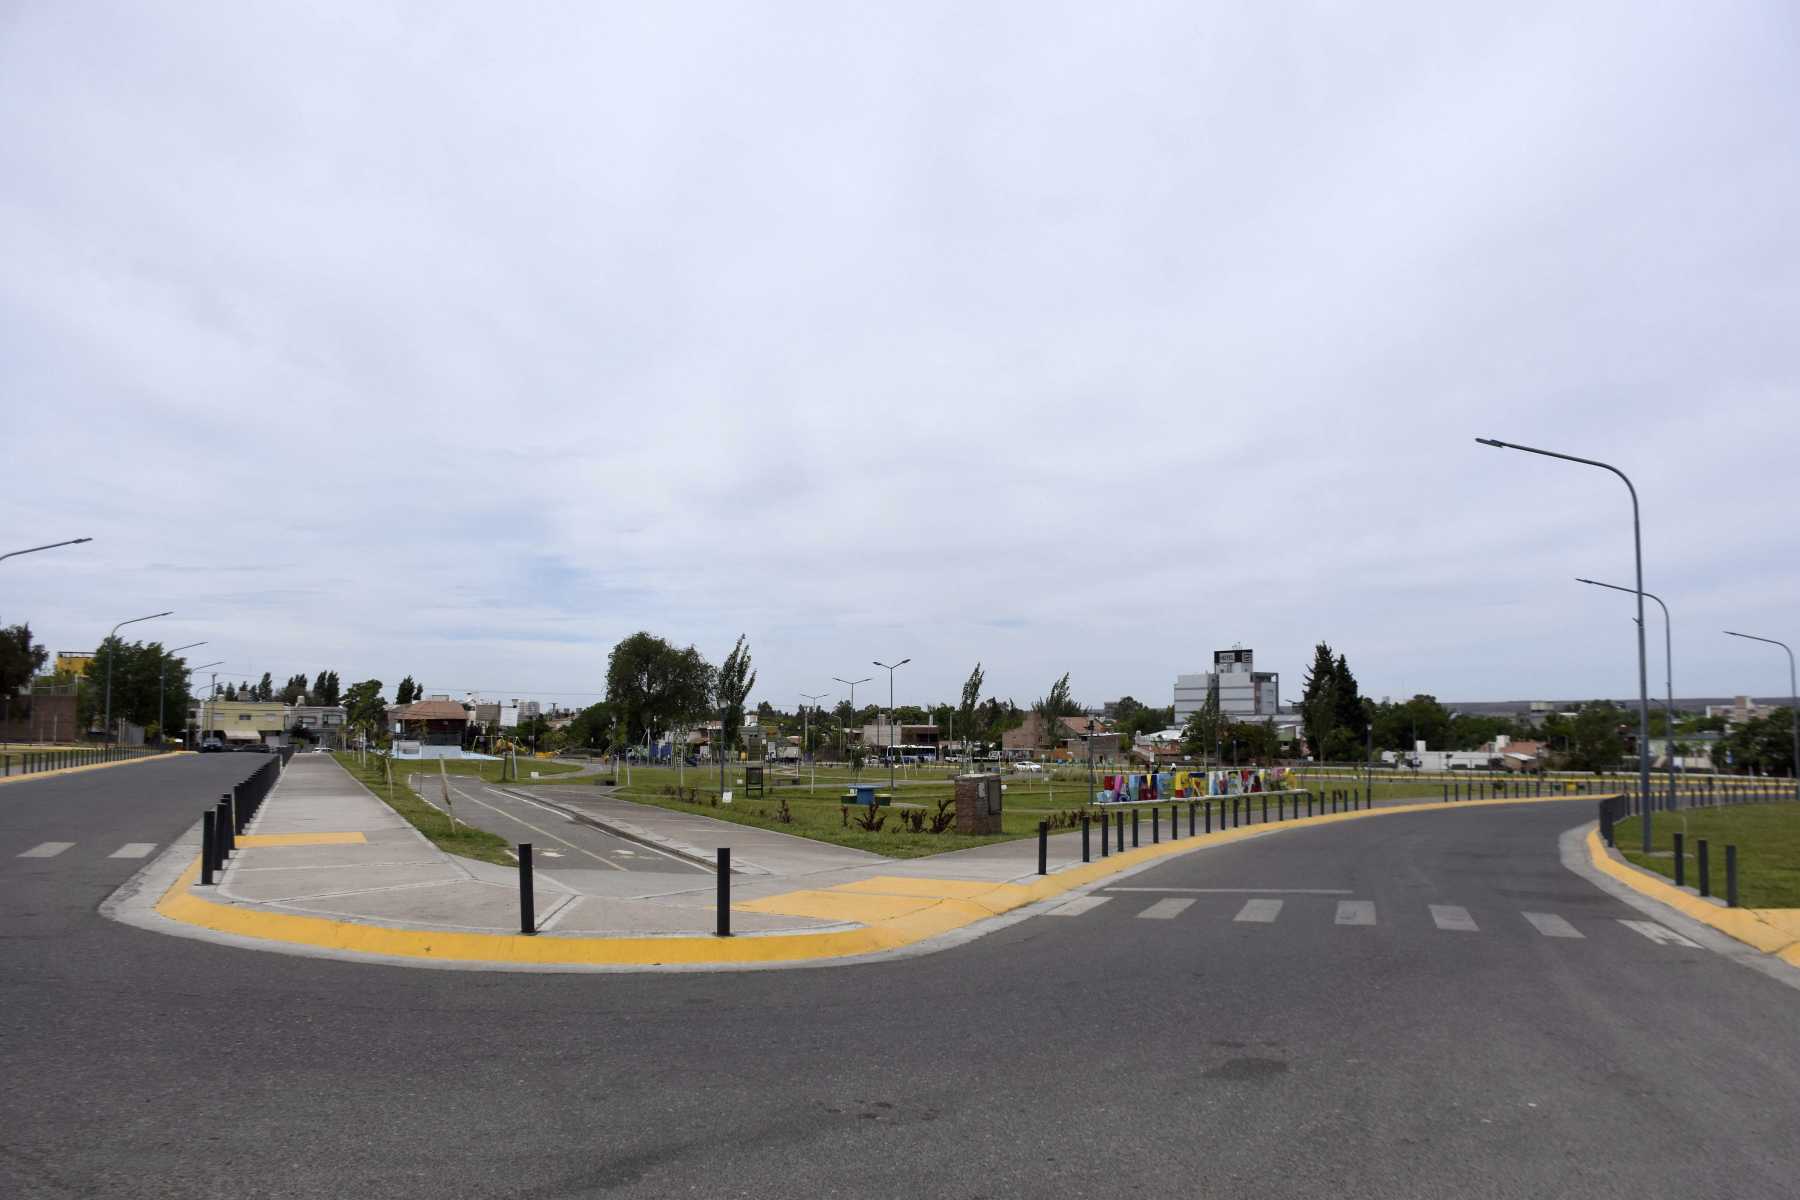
<point x="47" y="850"/>
<point x="1356" y="912"/>
<point x="1259" y="912"/>
<point x="1077" y="906"/>
<point x="1662" y="935"/>
<point x="1186" y="891"/>
<point x="516" y="819"/>
<point x="133" y="850"/>
<point x="1164" y="910"/>
<point x="1454" y="918"/>
<point x="1551" y="925"/>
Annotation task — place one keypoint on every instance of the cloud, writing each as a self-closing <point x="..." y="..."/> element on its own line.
<point x="1084" y="340"/>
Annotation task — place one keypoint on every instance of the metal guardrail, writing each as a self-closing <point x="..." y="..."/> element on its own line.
<point x="36" y="762"/>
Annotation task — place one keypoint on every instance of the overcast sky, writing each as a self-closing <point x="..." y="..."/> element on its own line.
<point x="462" y="341"/>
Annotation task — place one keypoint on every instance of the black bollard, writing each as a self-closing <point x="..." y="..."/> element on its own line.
<point x="222" y="830"/>
<point x="1043" y="847"/>
<point x="1209" y="816"/>
<point x="1703" y="866"/>
<point x="1105" y="835"/>
<point x="1265" y="819"/>
<point x="206" y="848"/>
<point x="1134" y="829"/>
<point x="1156" y="825"/>
<point x="1085" y="857"/>
<point x="1680" y="859"/>
<point x="527" y="905"/>
<point x="724" y="899"/>
<point x="1191" y="808"/>
<point x="1120" y="832"/>
<point x="1731" y="897"/>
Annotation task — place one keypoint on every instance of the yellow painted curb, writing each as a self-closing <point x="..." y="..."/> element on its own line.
<point x="123" y="762"/>
<point x="301" y="839"/>
<point x="892" y="911"/>
<point x="1771" y="930"/>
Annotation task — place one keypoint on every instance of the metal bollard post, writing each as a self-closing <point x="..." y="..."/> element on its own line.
<point x="1134" y="829"/>
<point x="1156" y="825"/>
<point x="1703" y="866"/>
<point x="1209" y="816"/>
<point x="527" y="905"/>
<point x="1680" y="860"/>
<point x="1105" y="834"/>
<point x="222" y="824"/>
<point x="1043" y="847"/>
<point x="1191" y="807"/>
<point x="1731" y="897"/>
<point x="1085" y="856"/>
<point x="206" y="849"/>
<point x="724" y="901"/>
<point x="1119" y="833"/>
<point x="1265" y="819"/>
<point x="1237" y="811"/>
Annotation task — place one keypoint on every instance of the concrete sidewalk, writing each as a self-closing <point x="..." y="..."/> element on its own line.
<point x="326" y="867"/>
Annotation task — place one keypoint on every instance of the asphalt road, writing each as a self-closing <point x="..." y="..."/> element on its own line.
<point x="1100" y="1054"/>
<point x="562" y="844"/>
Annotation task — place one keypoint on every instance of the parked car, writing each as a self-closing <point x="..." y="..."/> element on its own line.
<point x="1028" y="766"/>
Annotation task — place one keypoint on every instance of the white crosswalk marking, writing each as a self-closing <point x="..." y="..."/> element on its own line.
<point x="1453" y="917"/>
<point x="1356" y="912"/>
<point x="1260" y="912"/>
<point x="1077" y="906"/>
<point x="1551" y="925"/>
<point x="1660" y="934"/>
<point x="133" y="850"/>
<point x="1163" y="910"/>
<point x="47" y="850"/>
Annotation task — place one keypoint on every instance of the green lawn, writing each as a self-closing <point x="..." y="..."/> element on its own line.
<point x="1767" y="837"/>
<point x="464" y="840"/>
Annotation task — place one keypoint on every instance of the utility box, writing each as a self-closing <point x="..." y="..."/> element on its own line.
<point x="979" y="803"/>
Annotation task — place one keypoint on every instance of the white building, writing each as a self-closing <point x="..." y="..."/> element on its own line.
<point x="1244" y="693"/>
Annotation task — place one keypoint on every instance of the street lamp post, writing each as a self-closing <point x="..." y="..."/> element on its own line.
<point x="162" y="684"/>
<point x="806" y="735"/>
<point x="1637" y="546"/>
<point x="890" y="669"/>
<point x="51" y="546"/>
<point x="1668" y="674"/>
<point x="1090" y="741"/>
<point x="114" y="653"/>
<point x="1793" y="698"/>
<point x="202" y="667"/>
<point x="843" y="749"/>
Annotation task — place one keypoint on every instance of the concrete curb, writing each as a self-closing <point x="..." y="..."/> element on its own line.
<point x="1751" y="926"/>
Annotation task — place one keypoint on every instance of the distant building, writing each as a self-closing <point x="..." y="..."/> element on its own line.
<point x="322" y="723"/>
<point x="240" y="720"/>
<point x="1243" y="692"/>
<point x="435" y="722"/>
<point x="1070" y="737"/>
<point x="1742" y="709"/>
<point x="879" y="735"/>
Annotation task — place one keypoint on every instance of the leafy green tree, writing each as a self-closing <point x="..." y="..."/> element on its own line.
<point x="20" y="658"/>
<point x="148" y="684"/>
<point x="1762" y="744"/>
<point x="969" y="701"/>
<point x="325" y="689"/>
<point x="1205" y="727"/>
<point x="1251" y="742"/>
<point x="364" y="709"/>
<point x="735" y="679"/>
<point x="265" y="687"/>
<point x="1347" y="710"/>
<point x="294" y="690"/>
<point x="1596" y="737"/>
<point x="407" y="692"/>
<point x="1048" y="710"/>
<point x="1318" y="700"/>
<point x="651" y="686"/>
<point x="1398" y="726"/>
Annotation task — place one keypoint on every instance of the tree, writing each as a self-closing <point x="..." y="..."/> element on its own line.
<point x="1059" y="703"/>
<point x="970" y="701"/>
<point x="20" y="659"/>
<point x="1762" y="744"/>
<point x="149" y="686"/>
<point x="325" y="688"/>
<point x="265" y="688"/>
<point x="407" y="692"/>
<point x="735" y="679"/>
<point x="1205" y="726"/>
<point x="651" y="686"/>
<point x="1596" y="737"/>
<point x="1347" y="710"/>
<point x="1421" y="719"/>
<point x="294" y="690"/>
<point x="230" y="692"/>
<point x="1318" y="700"/>
<point x="364" y="709"/>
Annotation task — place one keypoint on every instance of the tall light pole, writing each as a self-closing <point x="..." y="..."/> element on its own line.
<point x="1668" y="673"/>
<point x="162" y="685"/>
<point x="806" y="733"/>
<point x="890" y="669"/>
<point x="51" y="546"/>
<point x="202" y="667"/>
<point x="842" y="749"/>
<point x="1793" y="698"/>
<point x="114" y="653"/>
<point x="1637" y="546"/>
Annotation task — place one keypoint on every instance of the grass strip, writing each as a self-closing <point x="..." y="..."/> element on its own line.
<point x="1767" y="837"/>
<point x="464" y="840"/>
